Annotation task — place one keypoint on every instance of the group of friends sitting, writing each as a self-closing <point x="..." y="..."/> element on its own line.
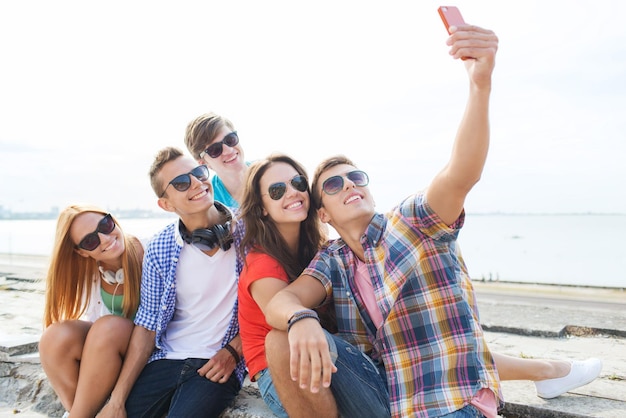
<point x="381" y="321"/>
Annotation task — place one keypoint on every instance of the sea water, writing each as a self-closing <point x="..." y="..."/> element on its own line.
<point x="580" y="250"/>
<point x="585" y="250"/>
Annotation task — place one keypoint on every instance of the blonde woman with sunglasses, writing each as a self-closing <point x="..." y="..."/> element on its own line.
<point x="92" y="294"/>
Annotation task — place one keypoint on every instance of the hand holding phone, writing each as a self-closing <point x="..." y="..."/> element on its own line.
<point x="451" y="16"/>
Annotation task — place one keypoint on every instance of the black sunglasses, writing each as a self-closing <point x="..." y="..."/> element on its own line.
<point x="183" y="182"/>
<point x="215" y="149"/>
<point x="277" y="190"/>
<point x="91" y="241"/>
<point x="333" y="185"/>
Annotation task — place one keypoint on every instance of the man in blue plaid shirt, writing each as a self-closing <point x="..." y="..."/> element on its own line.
<point x="184" y="357"/>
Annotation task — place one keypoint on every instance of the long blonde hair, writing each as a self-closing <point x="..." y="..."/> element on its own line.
<point x="70" y="275"/>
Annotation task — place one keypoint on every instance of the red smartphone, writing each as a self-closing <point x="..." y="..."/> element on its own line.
<point x="450" y="16"/>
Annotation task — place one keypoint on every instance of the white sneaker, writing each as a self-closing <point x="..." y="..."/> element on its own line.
<point x="66" y="414"/>
<point x="581" y="373"/>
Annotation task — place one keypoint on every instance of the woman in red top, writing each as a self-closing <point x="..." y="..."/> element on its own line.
<point x="283" y="233"/>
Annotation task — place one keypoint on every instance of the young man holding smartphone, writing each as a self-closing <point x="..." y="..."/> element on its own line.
<point x="396" y="280"/>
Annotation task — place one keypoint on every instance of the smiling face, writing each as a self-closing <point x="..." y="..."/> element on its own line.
<point x="290" y="208"/>
<point x="197" y="198"/>
<point x="111" y="245"/>
<point x="351" y="203"/>
<point x="230" y="161"/>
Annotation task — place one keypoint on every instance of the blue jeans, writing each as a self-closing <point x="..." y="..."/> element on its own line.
<point x="174" y="388"/>
<point x="468" y="411"/>
<point x="269" y="394"/>
<point x="358" y="385"/>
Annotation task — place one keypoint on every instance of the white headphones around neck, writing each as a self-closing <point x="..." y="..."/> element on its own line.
<point x="112" y="278"/>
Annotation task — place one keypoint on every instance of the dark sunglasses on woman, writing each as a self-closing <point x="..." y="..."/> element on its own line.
<point x="215" y="149"/>
<point x="91" y="241"/>
<point x="183" y="182"/>
<point x="333" y="185"/>
<point x="277" y="190"/>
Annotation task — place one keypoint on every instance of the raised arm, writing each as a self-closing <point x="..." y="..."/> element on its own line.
<point x="446" y="193"/>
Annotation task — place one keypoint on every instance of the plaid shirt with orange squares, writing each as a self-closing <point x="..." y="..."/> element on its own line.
<point x="431" y="343"/>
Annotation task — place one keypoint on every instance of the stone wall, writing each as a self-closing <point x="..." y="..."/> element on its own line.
<point x="23" y="384"/>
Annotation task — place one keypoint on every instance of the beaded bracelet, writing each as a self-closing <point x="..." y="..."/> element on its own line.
<point x="297" y="316"/>
<point x="233" y="352"/>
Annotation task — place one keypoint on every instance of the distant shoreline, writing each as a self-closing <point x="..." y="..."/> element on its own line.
<point x="46" y="216"/>
<point x="141" y="214"/>
<point x="542" y="287"/>
<point x="24" y="260"/>
<point x="37" y="264"/>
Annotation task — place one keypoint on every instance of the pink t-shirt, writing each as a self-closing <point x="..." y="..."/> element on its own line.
<point x="485" y="401"/>
<point x="366" y="290"/>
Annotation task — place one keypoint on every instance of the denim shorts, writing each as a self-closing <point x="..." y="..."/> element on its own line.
<point x="358" y="385"/>
<point x="269" y="395"/>
<point x="468" y="411"/>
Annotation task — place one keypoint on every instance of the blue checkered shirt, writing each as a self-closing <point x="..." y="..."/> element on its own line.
<point x="158" y="288"/>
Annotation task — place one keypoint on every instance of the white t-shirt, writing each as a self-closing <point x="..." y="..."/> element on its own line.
<point x="206" y="290"/>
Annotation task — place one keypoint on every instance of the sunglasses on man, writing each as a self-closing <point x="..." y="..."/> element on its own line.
<point x="91" y="241"/>
<point x="215" y="149"/>
<point x="277" y="190"/>
<point x="333" y="185"/>
<point x="183" y="182"/>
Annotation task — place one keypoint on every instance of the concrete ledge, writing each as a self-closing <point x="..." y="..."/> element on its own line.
<point x="19" y="344"/>
<point x="513" y="410"/>
<point x="24" y="385"/>
<point x="554" y="323"/>
<point x="602" y="398"/>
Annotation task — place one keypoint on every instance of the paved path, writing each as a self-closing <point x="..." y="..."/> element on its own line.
<point x="559" y="322"/>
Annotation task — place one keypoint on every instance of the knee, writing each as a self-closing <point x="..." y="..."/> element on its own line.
<point x="62" y="337"/>
<point x="48" y="340"/>
<point x="277" y="347"/>
<point x="112" y="324"/>
<point x="111" y="331"/>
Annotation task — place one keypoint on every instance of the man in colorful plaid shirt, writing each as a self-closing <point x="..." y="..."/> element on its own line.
<point x="396" y="281"/>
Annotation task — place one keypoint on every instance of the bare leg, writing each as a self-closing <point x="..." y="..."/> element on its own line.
<point x="299" y="403"/>
<point x="60" y="351"/>
<point x="514" y="368"/>
<point x="103" y="353"/>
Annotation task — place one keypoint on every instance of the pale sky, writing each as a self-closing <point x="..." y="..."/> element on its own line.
<point x="90" y="91"/>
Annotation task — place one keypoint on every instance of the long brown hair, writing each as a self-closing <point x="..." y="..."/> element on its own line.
<point x="261" y="232"/>
<point x="70" y="275"/>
